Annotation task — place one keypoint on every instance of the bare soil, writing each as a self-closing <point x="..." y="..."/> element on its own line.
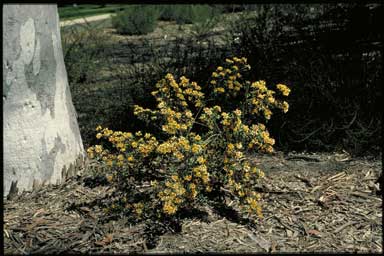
<point x="311" y="203"/>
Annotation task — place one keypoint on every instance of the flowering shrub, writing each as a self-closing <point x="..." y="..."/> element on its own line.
<point x="204" y="146"/>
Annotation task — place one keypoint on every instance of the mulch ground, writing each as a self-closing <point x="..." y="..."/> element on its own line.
<point x="311" y="203"/>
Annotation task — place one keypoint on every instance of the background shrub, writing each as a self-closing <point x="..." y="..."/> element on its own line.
<point x="136" y="20"/>
<point x="187" y="14"/>
<point x="330" y="55"/>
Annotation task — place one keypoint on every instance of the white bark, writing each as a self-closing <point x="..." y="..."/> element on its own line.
<point x="41" y="134"/>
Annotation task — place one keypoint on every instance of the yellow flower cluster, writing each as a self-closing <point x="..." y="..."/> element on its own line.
<point x="173" y="104"/>
<point x="201" y="172"/>
<point x="138" y="209"/>
<point x="181" y="146"/>
<point x="210" y="115"/>
<point x="241" y="176"/>
<point x="283" y="89"/>
<point x="253" y="206"/>
<point x="260" y="139"/>
<point x="226" y="79"/>
<point x="127" y="145"/>
<point x="173" y="195"/>
<point x="262" y="99"/>
<point x="176" y="121"/>
<point x="183" y="91"/>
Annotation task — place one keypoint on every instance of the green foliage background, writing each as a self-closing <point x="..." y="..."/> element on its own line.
<point x="329" y="54"/>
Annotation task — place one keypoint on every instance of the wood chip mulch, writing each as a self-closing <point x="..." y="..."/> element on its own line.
<point x="311" y="203"/>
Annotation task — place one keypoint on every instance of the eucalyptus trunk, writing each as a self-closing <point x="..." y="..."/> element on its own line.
<point x="42" y="142"/>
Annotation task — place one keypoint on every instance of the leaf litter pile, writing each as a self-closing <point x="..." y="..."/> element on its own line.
<point x="311" y="203"/>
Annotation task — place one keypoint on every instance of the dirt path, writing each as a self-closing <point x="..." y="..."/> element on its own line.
<point x="85" y="19"/>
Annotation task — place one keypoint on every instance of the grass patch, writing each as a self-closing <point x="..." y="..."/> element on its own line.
<point x="73" y="12"/>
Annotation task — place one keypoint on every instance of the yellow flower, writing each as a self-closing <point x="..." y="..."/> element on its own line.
<point x="219" y="89"/>
<point x="285" y="106"/>
<point x="183" y="127"/>
<point x="196" y="148"/>
<point x="260" y="85"/>
<point x="127" y="135"/>
<point x="138" y="208"/>
<point x="188" y="114"/>
<point x="217" y="108"/>
<point x="110" y="178"/>
<point x="192" y="187"/>
<point x="238" y="154"/>
<point x="267" y="113"/>
<point x="283" y="89"/>
<point x="169" y="208"/>
<point x="178" y="155"/>
<point x="98" y="135"/>
<point x="201" y="160"/>
<point x="130" y="159"/>
<point x="98" y="148"/>
<point x="230" y="147"/>
<point x="237" y="112"/>
<point x="229" y="61"/>
<point x="98" y="128"/>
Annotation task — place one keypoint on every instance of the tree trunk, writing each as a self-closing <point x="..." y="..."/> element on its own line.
<point x="42" y="142"/>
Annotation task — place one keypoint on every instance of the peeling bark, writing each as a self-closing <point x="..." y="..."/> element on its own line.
<point x="41" y="134"/>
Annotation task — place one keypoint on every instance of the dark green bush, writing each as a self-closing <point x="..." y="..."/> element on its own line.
<point x="328" y="54"/>
<point x="187" y="14"/>
<point x="136" y="20"/>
